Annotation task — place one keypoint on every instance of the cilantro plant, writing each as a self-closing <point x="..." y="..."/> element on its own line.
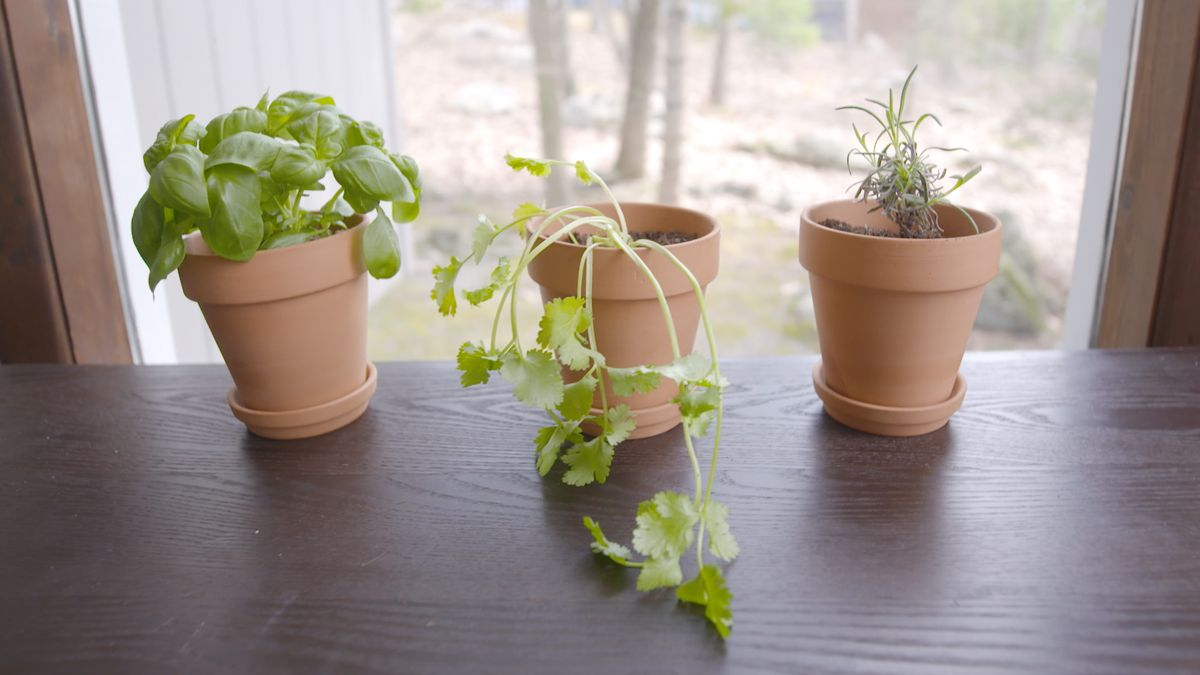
<point x="670" y="523"/>
<point x="903" y="180"/>
<point x="241" y="179"/>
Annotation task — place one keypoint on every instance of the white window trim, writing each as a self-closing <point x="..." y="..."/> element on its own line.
<point x="1107" y="150"/>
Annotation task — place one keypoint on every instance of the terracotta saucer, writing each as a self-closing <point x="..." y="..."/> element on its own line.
<point x="307" y="422"/>
<point x="887" y="420"/>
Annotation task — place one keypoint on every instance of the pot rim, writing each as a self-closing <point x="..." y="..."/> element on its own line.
<point x="273" y="275"/>
<point x="894" y="265"/>
<point x="712" y="233"/>
<point x="997" y="226"/>
<point x="195" y="245"/>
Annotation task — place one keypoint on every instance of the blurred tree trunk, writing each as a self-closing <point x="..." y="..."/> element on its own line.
<point x="602" y="22"/>
<point x="549" y="89"/>
<point x="561" y="38"/>
<point x="631" y="160"/>
<point x="1039" y="33"/>
<point x="716" y="91"/>
<point x="668" y="189"/>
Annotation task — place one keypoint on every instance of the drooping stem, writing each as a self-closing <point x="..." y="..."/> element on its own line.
<point x="670" y="322"/>
<point x="604" y="186"/>
<point x="710" y="338"/>
<point x="589" y="261"/>
<point x="510" y="292"/>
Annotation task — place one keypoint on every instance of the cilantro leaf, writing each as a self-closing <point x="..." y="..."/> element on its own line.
<point x="533" y="166"/>
<point x="691" y="368"/>
<point x="589" y="461"/>
<point x="443" y="287"/>
<point x="536" y="378"/>
<point x="659" y="572"/>
<point x="583" y="173"/>
<point x="697" y="405"/>
<point x="549" y="442"/>
<point x="482" y="237"/>
<point x="627" y="381"/>
<point x="665" y="525"/>
<point x="499" y="278"/>
<point x="615" y="552"/>
<point x="708" y="589"/>
<point x="577" y="398"/>
<point x="476" y="364"/>
<point x="562" y="323"/>
<point x="563" y="319"/>
<point x="618" y="424"/>
<point x="721" y="542"/>
<point x="574" y="355"/>
<point x="527" y="210"/>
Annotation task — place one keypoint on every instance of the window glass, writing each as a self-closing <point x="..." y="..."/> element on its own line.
<point x="1013" y="81"/>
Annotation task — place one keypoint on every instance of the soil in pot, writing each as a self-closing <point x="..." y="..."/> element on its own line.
<point x="842" y="226"/>
<point x="662" y="238"/>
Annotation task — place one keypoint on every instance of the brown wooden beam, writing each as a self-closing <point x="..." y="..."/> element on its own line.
<point x="1158" y="115"/>
<point x="67" y="174"/>
<point x="1177" y="311"/>
<point x="33" y="325"/>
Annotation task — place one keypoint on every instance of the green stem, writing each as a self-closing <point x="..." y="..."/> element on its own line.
<point x="709" y="337"/>
<point x="334" y="198"/>
<point x="589" y="259"/>
<point x="532" y="252"/>
<point x="603" y="185"/>
<point x="666" y="312"/>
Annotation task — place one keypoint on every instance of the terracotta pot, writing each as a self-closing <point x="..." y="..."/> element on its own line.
<point x="630" y="330"/>
<point x="894" y="315"/>
<point x="292" y="326"/>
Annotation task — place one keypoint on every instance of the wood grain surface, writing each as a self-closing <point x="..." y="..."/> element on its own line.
<point x="1052" y="527"/>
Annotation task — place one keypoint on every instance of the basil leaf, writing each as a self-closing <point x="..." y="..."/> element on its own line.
<point x="285" y="108"/>
<point x="408" y="167"/>
<point x="284" y="239"/>
<point x="360" y="203"/>
<point x="167" y="259"/>
<point x="297" y="165"/>
<point x="182" y="131"/>
<point x="177" y="182"/>
<point x="236" y="227"/>
<point x="364" y="133"/>
<point x="406" y="212"/>
<point x="147" y="228"/>
<point x="245" y="148"/>
<point x="322" y="129"/>
<point x="367" y="171"/>
<point x="381" y="247"/>
<point x="402" y="211"/>
<point x="225" y="125"/>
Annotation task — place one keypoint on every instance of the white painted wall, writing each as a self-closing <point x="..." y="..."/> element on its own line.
<point x="154" y="60"/>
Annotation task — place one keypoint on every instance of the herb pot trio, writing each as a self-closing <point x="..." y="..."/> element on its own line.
<point x="893" y="317"/>
<point x="284" y="288"/>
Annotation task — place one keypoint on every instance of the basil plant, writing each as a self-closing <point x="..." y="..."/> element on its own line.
<point x="240" y="181"/>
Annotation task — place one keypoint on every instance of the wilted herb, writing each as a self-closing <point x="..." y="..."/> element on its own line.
<point x="669" y="524"/>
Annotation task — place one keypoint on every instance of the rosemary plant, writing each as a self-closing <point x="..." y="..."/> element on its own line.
<point x="902" y="179"/>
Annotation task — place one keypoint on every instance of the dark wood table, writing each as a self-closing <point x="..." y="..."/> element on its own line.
<point x="1054" y="526"/>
